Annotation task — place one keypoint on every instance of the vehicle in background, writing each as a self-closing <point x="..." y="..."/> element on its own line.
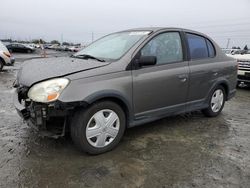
<point x="63" y="48"/>
<point x="122" y="80"/>
<point x="47" y="46"/>
<point x="243" y="67"/>
<point x="232" y="51"/>
<point x="74" y="48"/>
<point x="17" y="47"/>
<point x="6" y="59"/>
<point x="60" y="48"/>
<point x="238" y="52"/>
<point x="33" y="45"/>
<point x="227" y="51"/>
<point x="53" y="46"/>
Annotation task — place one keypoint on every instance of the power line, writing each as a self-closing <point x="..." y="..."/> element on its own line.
<point x="223" y="25"/>
<point x="246" y="19"/>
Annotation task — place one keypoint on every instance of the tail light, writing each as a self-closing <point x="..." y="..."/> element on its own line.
<point x="7" y="54"/>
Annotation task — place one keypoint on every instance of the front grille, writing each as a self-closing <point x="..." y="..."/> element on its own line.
<point x="244" y="65"/>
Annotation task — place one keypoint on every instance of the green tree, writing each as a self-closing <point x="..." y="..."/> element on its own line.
<point x="37" y="41"/>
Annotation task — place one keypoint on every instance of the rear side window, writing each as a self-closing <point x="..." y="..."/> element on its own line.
<point x="199" y="47"/>
<point x="211" y="51"/>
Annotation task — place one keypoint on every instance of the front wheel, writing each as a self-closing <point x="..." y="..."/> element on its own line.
<point x="98" y="128"/>
<point x="216" y="102"/>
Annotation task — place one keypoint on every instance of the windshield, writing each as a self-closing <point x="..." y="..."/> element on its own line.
<point x="114" y="46"/>
<point x="3" y="47"/>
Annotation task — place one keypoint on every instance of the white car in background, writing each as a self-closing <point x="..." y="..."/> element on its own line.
<point x="74" y="48"/>
<point x="243" y="67"/>
<point x="5" y="57"/>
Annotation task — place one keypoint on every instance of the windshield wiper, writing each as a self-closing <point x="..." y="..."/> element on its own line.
<point x="86" y="56"/>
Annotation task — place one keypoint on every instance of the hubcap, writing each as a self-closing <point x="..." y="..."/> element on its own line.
<point x="217" y="100"/>
<point x="102" y="128"/>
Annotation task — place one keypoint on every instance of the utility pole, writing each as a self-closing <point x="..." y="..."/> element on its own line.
<point x="228" y="41"/>
<point x="61" y="38"/>
<point x="92" y="36"/>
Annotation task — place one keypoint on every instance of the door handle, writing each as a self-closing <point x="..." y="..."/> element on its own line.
<point x="183" y="77"/>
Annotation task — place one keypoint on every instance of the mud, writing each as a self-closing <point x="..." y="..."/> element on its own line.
<point x="182" y="151"/>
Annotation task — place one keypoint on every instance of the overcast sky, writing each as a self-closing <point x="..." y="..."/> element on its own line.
<point x="75" y="20"/>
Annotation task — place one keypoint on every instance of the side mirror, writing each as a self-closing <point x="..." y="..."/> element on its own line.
<point x="147" y="60"/>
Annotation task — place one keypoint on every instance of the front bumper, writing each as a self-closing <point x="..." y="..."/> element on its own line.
<point x="20" y="108"/>
<point x="12" y="60"/>
<point x="49" y="119"/>
<point x="9" y="61"/>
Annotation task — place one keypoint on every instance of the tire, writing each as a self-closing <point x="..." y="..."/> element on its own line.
<point x="1" y="65"/>
<point x="85" y="118"/>
<point x="213" y="110"/>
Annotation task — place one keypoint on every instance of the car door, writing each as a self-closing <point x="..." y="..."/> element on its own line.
<point x="14" y="47"/>
<point x="21" y="48"/>
<point x="162" y="88"/>
<point x="204" y="70"/>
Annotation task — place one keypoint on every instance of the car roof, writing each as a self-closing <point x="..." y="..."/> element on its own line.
<point x="155" y="29"/>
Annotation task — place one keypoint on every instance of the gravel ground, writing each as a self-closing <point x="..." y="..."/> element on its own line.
<point x="182" y="151"/>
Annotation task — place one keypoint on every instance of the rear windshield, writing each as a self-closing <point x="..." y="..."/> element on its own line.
<point x="3" y="47"/>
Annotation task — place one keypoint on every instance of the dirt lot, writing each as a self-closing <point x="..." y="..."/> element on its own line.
<point x="183" y="151"/>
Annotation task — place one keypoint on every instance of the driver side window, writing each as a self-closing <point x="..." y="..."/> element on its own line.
<point x="166" y="47"/>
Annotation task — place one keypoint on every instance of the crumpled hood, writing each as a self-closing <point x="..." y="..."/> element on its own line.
<point x="37" y="70"/>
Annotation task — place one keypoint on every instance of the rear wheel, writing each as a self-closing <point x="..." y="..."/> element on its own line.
<point x="99" y="128"/>
<point x="216" y="102"/>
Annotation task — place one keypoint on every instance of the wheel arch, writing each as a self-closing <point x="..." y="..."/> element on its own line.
<point x="113" y="96"/>
<point x="226" y="88"/>
<point x="224" y="84"/>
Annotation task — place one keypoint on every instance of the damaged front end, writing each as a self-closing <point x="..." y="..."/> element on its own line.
<point x="50" y="119"/>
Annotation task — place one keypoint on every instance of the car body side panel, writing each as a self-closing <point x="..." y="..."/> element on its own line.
<point x="158" y="87"/>
<point x="205" y="75"/>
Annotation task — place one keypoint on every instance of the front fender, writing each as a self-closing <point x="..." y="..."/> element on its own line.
<point x="88" y="90"/>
